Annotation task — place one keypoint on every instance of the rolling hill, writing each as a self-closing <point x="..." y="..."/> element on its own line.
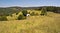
<point x="10" y="10"/>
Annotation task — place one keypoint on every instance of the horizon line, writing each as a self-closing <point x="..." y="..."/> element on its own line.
<point x="28" y="6"/>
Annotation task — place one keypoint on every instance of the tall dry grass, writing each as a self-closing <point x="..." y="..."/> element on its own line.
<point x="33" y="24"/>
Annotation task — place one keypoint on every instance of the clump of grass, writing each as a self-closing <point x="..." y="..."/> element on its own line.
<point x="3" y="18"/>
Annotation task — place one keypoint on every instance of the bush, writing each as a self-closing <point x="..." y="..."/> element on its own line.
<point x="43" y="11"/>
<point x="32" y="14"/>
<point x="24" y="12"/>
<point x="3" y="18"/>
<point x="21" y="17"/>
<point x="36" y="14"/>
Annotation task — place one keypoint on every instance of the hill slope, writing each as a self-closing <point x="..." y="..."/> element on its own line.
<point x="33" y="24"/>
<point x="16" y="9"/>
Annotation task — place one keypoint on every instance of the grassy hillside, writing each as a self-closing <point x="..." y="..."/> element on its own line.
<point x="33" y="24"/>
<point x="10" y="10"/>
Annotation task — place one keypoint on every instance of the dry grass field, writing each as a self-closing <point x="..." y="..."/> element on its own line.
<point x="33" y="24"/>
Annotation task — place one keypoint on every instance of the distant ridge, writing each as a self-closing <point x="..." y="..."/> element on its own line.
<point x="29" y="6"/>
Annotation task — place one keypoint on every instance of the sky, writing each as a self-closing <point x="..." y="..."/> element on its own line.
<point x="29" y="3"/>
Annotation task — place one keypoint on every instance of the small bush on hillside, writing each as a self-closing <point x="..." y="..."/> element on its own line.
<point x="32" y="14"/>
<point x="3" y="18"/>
<point x="24" y="12"/>
<point x="21" y="17"/>
<point x="43" y="11"/>
<point x="17" y="13"/>
<point x="36" y="14"/>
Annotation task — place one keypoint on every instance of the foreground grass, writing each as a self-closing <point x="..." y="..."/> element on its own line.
<point x="33" y="24"/>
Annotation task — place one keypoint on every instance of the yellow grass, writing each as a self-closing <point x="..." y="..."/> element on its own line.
<point x="35" y="11"/>
<point x="33" y="24"/>
<point x="14" y="16"/>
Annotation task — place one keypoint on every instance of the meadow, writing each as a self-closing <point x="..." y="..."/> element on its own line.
<point x="33" y="24"/>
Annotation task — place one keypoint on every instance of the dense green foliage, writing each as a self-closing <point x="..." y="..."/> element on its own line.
<point x="24" y="12"/>
<point x="8" y="11"/>
<point x="53" y="9"/>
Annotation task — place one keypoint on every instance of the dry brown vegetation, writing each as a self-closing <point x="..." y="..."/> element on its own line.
<point x="33" y="24"/>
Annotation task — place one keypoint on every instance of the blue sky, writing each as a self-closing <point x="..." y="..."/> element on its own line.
<point x="29" y="3"/>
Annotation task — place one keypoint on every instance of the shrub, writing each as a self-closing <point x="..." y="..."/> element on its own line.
<point x="17" y="13"/>
<point x="3" y="18"/>
<point x="43" y="11"/>
<point x="21" y="17"/>
<point x="32" y="14"/>
<point x="36" y="14"/>
<point x="24" y="12"/>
